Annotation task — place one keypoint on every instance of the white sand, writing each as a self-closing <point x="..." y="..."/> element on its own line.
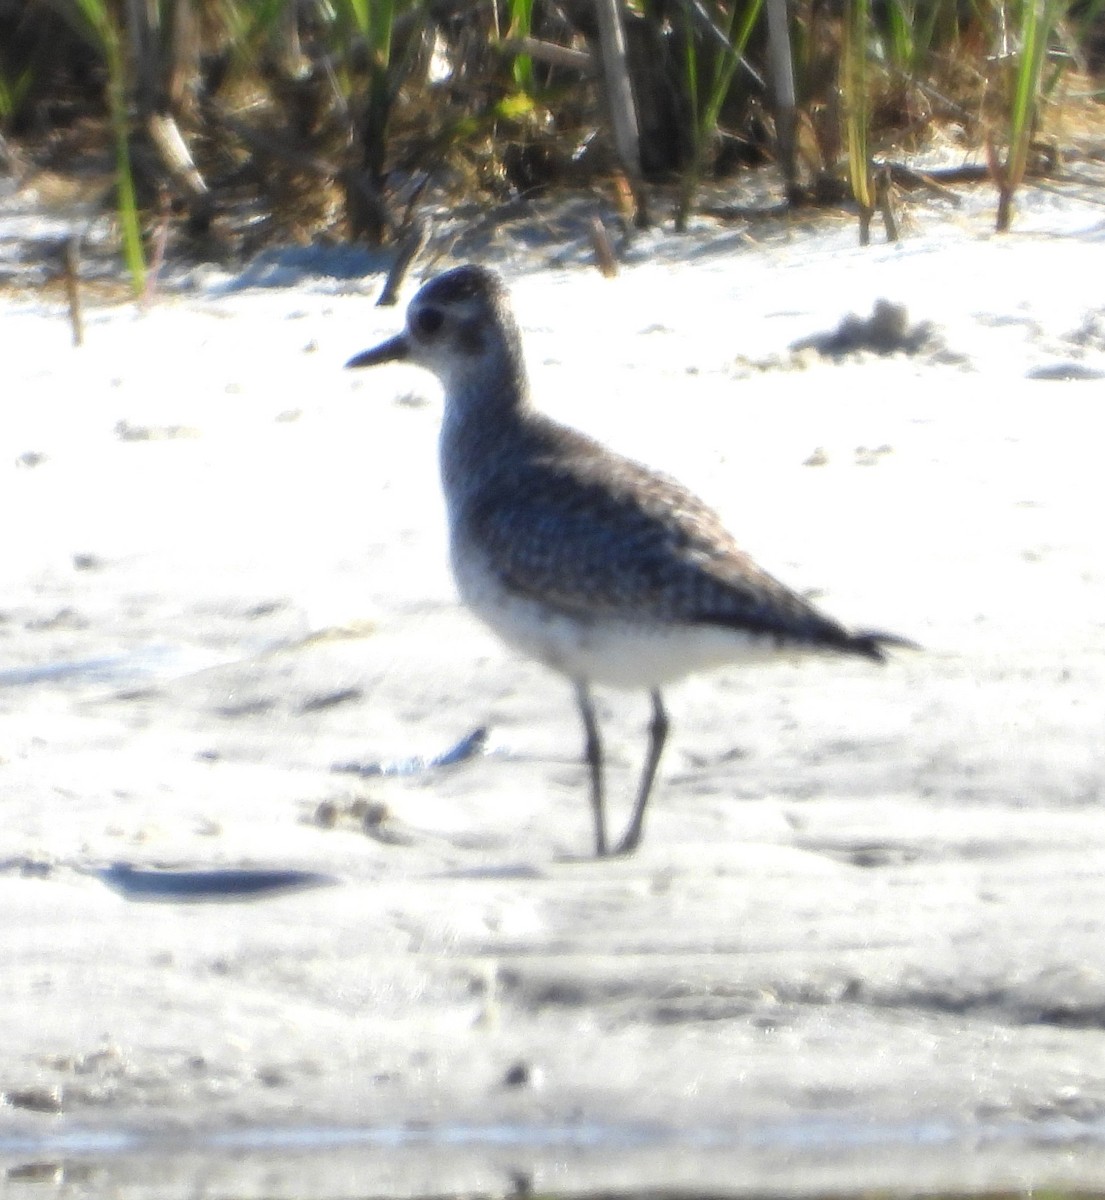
<point x="863" y="944"/>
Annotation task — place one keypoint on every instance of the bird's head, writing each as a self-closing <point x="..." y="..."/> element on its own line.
<point x="459" y="326"/>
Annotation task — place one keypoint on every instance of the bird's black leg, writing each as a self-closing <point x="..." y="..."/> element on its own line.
<point x="592" y="755"/>
<point x="657" y="735"/>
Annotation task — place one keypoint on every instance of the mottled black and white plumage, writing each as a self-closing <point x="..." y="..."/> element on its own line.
<point x="602" y="569"/>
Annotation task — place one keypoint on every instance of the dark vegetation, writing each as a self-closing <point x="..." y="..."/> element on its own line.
<point x="222" y="125"/>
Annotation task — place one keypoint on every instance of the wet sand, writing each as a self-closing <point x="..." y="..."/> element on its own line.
<point x="861" y="946"/>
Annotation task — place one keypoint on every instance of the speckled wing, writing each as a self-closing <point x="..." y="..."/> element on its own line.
<point x="591" y="535"/>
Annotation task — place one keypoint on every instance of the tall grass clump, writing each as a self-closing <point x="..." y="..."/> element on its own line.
<point x="1035" y="26"/>
<point x="245" y="121"/>
<point x="96" y="23"/>
<point x="857" y="111"/>
<point x="708" y="75"/>
<point x="372" y="22"/>
<point x="913" y="29"/>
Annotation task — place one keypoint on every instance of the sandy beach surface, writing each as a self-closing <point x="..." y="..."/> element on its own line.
<point x="863" y="943"/>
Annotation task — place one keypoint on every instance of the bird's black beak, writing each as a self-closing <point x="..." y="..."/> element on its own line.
<point x="396" y="349"/>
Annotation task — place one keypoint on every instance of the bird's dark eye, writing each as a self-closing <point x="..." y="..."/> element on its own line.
<point x="429" y="320"/>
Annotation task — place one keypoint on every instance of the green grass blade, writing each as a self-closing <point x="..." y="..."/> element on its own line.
<point x="94" y="21"/>
<point x="127" y="202"/>
<point x="856" y="104"/>
<point x="521" y="24"/>
<point x="901" y="44"/>
<point x="726" y="65"/>
<point x="14" y="91"/>
<point x="1038" y="18"/>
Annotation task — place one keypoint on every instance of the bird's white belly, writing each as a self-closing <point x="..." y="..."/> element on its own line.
<point x="603" y="649"/>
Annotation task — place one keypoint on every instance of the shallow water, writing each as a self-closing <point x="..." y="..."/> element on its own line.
<point x="804" y="1135"/>
<point x="829" y="1156"/>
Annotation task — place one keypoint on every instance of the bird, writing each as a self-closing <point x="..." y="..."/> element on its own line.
<point x="604" y="570"/>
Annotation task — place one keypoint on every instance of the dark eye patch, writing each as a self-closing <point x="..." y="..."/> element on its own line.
<point x="429" y="320"/>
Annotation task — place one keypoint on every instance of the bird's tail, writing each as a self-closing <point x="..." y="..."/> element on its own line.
<point x="872" y="643"/>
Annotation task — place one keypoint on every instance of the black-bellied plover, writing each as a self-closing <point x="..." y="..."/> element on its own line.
<point x="592" y="564"/>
